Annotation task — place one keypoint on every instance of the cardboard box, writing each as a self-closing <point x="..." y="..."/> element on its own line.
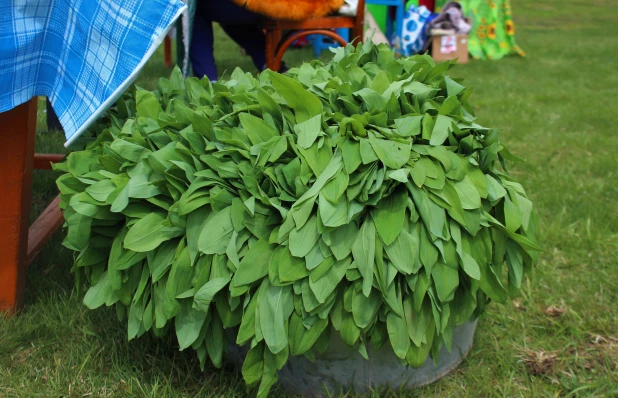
<point x="448" y="47"/>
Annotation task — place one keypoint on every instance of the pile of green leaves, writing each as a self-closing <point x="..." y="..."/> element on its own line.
<point x="357" y="197"/>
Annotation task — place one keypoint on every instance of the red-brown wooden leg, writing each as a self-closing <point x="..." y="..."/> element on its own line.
<point x="271" y="47"/>
<point x="167" y="51"/>
<point x="16" y="158"/>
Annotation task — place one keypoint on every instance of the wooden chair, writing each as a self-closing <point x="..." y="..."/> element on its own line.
<point x="276" y="43"/>
<point x="19" y="241"/>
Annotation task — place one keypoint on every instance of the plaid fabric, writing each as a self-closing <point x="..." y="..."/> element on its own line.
<point x="81" y="54"/>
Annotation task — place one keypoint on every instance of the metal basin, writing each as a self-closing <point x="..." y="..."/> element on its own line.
<point x="341" y="368"/>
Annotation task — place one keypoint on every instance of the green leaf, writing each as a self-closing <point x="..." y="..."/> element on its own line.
<point x="308" y="131"/>
<point x="389" y="216"/>
<point x="490" y="284"/>
<point x="409" y="126"/>
<point x="398" y="334"/>
<point x="446" y="280"/>
<point x="404" y="253"/>
<point x="342" y="239"/>
<point x="351" y="155"/>
<point x="302" y="240"/>
<point x="301" y="338"/>
<point x="204" y="296"/>
<point x="254" y="265"/>
<point x="215" y="341"/>
<point x="441" y="130"/>
<point x="257" y="130"/>
<point x="188" y="324"/>
<point x="363" y="250"/>
<point x="253" y="365"/>
<point x="468" y="194"/>
<point x="304" y="104"/>
<point x="326" y="284"/>
<point x="469" y="265"/>
<point x="97" y="294"/>
<point x="333" y="215"/>
<point x="217" y="232"/>
<point x="392" y="153"/>
<point x="147" y="104"/>
<point x="274" y="306"/>
<point x="365" y="309"/>
<point x="290" y="268"/>
<point x="149" y="232"/>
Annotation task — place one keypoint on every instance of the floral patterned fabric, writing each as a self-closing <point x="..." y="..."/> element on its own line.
<point x="493" y="31"/>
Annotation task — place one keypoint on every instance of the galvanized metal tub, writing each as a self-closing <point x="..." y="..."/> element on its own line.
<point x="341" y="368"/>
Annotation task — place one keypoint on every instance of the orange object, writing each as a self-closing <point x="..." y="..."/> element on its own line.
<point x="293" y="10"/>
<point x="276" y="45"/>
<point x="16" y="164"/>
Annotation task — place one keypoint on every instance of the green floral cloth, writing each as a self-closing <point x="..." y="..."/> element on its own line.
<point x="493" y="31"/>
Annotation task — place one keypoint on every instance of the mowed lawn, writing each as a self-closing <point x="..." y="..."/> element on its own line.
<point x="557" y="108"/>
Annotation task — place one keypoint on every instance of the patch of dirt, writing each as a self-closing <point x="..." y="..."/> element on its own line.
<point x="555" y="311"/>
<point x="600" y="353"/>
<point x="540" y="362"/>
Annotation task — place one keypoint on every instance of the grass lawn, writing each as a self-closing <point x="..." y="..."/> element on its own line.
<point x="556" y="108"/>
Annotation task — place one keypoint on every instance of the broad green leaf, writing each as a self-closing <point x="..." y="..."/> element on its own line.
<point x="342" y="239"/>
<point x="204" y="296"/>
<point x="363" y="250"/>
<point x="188" y="324"/>
<point x="335" y="188"/>
<point x="147" y="104"/>
<point x="469" y="265"/>
<point x="392" y="153"/>
<point x="308" y="131"/>
<point x="217" y="232"/>
<point x="97" y="294"/>
<point x="404" y="252"/>
<point x="302" y="240"/>
<point x="445" y="280"/>
<point x="364" y="309"/>
<point x="289" y="268"/>
<point x="349" y="331"/>
<point x="409" y="126"/>
<point x="254" y="265"/>
<point x="490" y="284"/>
<point x="149" y="232"/>
<point x="257" y="130"/>
<point x="301" y="338"/>
<point x="326" y="284"/>
<point x="351" y="155"/>
<point x="468" y="194"/>
<point x="333" y="215"/>
<point x="274" y="306"/>
<point x="253" y="365"/>
<point x="389" y="216"/>
<point x="215" y="340"/>
<point x="304" y="104"/>
<point x="398" y="334"/>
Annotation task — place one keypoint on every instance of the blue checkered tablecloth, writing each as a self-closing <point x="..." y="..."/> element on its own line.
<point x="81" y="54"/>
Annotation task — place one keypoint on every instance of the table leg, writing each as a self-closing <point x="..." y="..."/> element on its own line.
<point x="16" y="159"/>
<point x="167" y="51"/>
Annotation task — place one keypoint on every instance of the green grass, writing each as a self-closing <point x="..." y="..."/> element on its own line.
<point x="556" y="108"/>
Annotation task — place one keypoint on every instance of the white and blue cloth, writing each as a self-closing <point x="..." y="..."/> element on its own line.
<point x="81" y="54"/>
<point x="414" y="34"/>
